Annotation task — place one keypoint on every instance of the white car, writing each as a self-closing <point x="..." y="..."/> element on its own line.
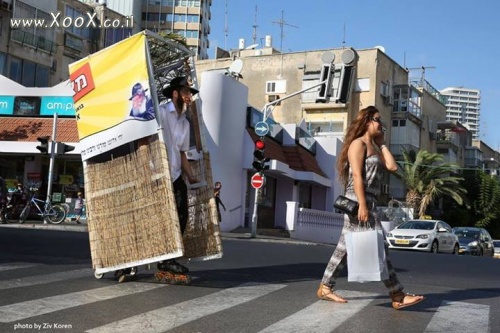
<point x="424" y="235"/>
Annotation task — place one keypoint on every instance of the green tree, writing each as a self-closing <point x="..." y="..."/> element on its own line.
<point x="487" y="204"/>
<point x="427" y="178"/>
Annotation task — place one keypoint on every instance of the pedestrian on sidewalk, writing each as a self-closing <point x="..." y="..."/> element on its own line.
<point x="218" y="201"/>
<point x="79" y="204"/>
<point x="360" y="165"/>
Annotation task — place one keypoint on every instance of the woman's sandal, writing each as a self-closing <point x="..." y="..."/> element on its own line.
<point x="327" y="294"/>
<point x="399" y="304"/>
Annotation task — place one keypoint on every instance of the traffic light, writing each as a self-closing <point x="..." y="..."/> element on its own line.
<point x="63" y="148"/>
<point x="325" y="90"/>
<point x="44" y="144"/>
<point x="260" y="160"/>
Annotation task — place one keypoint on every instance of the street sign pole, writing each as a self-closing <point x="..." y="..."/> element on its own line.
<point x="257" y="182"/>
<point x="254" y="215"/>
<point x="52" y="158"/>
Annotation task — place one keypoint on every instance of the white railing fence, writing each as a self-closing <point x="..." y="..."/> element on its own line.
<point x="313" y="225"/>
<point x="325" y="227"/>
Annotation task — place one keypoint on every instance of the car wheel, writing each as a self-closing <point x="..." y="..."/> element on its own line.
<point x="434" y="247"/>
<point x="456" y="249"/>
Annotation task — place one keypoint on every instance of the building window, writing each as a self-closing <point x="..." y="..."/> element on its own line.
<point x="15" y="69"/>
<point x="115" y="35"/>
<point x="28" y="73"/>
<point x="73" y="14"/>
<point x="33" y="36"/>
<point x="42" y="76"/>
<point x="28" y="78"/>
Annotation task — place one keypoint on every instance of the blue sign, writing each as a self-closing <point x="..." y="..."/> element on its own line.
<point x="62" y="105"/>
<point x="37" y="105"/>
<point x="261" y="128"/>
<point x="7" y="105"/>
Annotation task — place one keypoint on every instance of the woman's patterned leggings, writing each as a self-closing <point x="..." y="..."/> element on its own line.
<point x="339" y="257"/>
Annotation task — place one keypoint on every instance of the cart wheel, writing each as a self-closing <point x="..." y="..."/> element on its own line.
<point x="98" y="276"/>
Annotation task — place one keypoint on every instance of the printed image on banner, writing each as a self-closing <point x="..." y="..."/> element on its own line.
<point x="112" y="97"/>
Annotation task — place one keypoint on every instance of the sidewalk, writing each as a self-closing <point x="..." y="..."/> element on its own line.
<point x="266" y="235"/>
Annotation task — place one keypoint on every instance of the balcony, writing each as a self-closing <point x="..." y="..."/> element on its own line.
<point x="305" y="139"/>
<point x="29" y="39"/>
<point x="397" y="149"/>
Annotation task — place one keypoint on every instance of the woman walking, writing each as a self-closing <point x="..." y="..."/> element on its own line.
<point x="360" y="166"/>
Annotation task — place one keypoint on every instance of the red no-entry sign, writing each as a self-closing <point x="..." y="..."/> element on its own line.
<point x="257" y="180"/>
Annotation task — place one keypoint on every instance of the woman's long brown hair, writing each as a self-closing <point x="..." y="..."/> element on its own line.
<point x="355" y="130"/>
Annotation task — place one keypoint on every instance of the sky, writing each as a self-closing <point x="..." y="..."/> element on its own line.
<point x="457" y="41"/>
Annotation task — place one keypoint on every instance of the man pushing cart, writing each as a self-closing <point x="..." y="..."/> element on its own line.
<point x="139" y="209"/>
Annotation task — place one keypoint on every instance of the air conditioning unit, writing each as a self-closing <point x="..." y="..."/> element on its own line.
<point x="276" y="87"/>
<point x="389" y="100"/>
<point x="272" y="98"/>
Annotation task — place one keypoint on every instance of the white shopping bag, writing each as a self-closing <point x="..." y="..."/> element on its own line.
<point x="366" y="256"/>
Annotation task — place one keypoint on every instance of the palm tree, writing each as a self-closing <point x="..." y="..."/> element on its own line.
<point x="426" y="178"/>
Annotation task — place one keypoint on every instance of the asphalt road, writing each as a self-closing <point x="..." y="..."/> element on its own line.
<point x="260" y="285"/>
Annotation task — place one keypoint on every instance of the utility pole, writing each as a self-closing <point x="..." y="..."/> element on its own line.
<point x="282" y="23"/>
<point x="52" y="158"/>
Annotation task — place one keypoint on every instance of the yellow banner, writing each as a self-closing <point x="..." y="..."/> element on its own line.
<point x="112" y="96"/>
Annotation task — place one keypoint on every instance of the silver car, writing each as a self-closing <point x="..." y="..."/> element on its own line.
<point x="424" y="235"/>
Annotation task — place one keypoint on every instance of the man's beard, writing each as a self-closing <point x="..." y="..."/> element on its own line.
<point x="180" y="104"/>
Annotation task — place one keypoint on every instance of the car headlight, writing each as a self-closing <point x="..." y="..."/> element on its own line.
<point x="389" y="235"/>
<point x="472" y="244"/>
<point x="424" y="236"/>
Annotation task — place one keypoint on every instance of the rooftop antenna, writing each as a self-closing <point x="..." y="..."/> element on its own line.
<point x="225" y="26"/>
<point x="254" y="36"/>
<point x="282" y="23"/>
<point x="343" y="40"/>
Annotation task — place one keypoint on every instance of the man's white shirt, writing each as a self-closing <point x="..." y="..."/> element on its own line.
<point x="176" y="136"/>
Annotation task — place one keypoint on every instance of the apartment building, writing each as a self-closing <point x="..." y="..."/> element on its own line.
<point x="187" y="18"/>
<point x="37" y="56"/>
<point x="464" y="105"/>
<point x="411" y="112"/>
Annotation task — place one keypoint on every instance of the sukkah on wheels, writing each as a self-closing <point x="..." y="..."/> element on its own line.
<point x="131" y="212"/>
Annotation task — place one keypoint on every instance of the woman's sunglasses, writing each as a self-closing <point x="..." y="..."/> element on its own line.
<point x="377" y="120"/>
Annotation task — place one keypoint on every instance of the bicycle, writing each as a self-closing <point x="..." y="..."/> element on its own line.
<point x="54" y="214"/>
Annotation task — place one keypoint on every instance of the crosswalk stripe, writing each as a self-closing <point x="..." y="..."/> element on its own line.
<point x="460" y="317"/>
<point x="46" y="278"/>
<point x="16" y="265"/>
<point x="23" y="310"/>
<point x="322" y="316"/>
<point x="167" y="318"/>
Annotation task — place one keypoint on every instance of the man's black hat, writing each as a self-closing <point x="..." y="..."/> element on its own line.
<point x="178" y="82"/>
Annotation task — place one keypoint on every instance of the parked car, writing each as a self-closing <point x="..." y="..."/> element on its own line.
<point x="424" y="235"/>
<point x="496" y="244"/>
<point x="474" y="241"/>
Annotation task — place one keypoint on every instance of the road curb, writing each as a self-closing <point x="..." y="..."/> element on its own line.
<point x="66" y="226"/>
